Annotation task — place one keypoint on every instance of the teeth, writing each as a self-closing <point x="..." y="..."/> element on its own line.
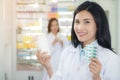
<point x="81" y="33"/>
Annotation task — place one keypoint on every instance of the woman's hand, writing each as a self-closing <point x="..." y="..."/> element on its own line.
<point x="61" y="42"/>
<point x="57" y="40"/>
<point x="44" y="58"/>
<point x="95" y="68"/>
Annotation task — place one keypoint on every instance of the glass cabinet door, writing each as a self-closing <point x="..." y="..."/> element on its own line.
<point x="29" y="16"/>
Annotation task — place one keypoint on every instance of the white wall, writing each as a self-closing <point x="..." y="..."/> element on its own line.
<point x="6" y="23"/>
<point x="118" y="25"/>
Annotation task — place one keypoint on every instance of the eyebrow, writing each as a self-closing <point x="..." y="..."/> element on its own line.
<point x="84" y="19"/>
<point x="87" y="19"/>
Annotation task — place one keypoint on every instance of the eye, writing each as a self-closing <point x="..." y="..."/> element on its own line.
<point x="77" y="22"/>
<point x="87" y="22"/>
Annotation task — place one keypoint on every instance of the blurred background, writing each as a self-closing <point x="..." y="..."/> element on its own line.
<point x="22" y="21"/>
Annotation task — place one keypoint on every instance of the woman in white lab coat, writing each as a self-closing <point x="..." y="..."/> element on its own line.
<point x="56" y="42"/>
<point x="89" y="28"/>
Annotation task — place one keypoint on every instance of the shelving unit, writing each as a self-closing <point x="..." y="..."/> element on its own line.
<point x="31" y="20"/>
<point x="65" y="12"/>
<point x="29" y="15"/>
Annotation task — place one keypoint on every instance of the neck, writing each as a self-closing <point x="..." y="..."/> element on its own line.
<point x="86" y="43"/>
<point x="55" y="34"/>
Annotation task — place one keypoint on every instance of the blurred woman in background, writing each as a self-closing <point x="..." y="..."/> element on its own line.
<point x="56" y="42"/>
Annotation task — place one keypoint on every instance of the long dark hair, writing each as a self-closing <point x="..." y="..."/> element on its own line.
<point x="103" y="34"/>
<point x="50" y="22"/>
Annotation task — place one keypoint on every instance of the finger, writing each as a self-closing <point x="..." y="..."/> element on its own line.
<point x="94" y="64"/>
<point x="92" y="67"/>
<point x="45" y="54"/>
<point x="95" y="60"/>
<point x="39" y="55"/>
<point x="45" y="58"/>
<point x="92" y="70"/>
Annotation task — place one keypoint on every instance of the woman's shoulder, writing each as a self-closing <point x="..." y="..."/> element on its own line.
<point x="109" y="52"/>
<point x="108" y="55"/>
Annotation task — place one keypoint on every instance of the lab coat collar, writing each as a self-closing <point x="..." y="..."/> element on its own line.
<point x="79" y="47"/>
<point x="54" y="35"/>
<point x="94" y="43"/>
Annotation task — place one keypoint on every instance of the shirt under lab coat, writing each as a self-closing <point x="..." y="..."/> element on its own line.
<point x="72" y="68"/>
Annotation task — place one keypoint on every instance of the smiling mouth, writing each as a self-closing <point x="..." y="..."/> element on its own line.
<point x="81" y="34"/>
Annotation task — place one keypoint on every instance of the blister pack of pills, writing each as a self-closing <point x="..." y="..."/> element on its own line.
<point x="90" y="52"/>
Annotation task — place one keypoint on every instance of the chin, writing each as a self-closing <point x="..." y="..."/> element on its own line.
<point x="82" y="40"/>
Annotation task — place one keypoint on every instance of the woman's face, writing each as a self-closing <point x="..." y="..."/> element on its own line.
<point x="85" y="27"/>
<point x="54" y="27"/>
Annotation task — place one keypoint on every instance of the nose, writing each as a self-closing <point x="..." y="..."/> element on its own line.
<point x="80" y="27"/>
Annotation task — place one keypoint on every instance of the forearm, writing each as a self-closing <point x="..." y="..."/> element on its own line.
<point x="61" y="42"/>
<point x="97" y="78"/>
<point x="49" y="71"/>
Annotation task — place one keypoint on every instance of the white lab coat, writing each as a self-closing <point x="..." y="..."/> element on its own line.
<point x="71" y="68"/>
<point x="55" y="51"/>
